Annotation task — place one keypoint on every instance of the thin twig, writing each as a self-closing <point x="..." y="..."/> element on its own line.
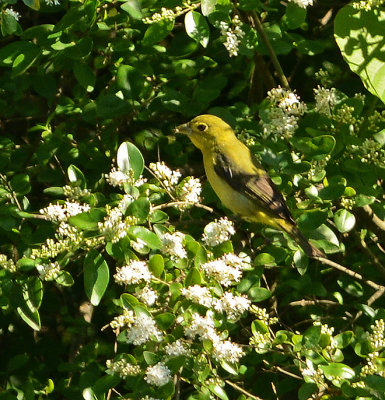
<point x="182" y="203"/>
<point x="303" y="303"/>
<point x="347" y="271"/>
<point x="273" y="56"/>
<point x="283" y="371"/>
<point x="235" y="386"/>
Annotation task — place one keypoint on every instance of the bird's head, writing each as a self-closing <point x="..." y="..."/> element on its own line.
<point x="205" y="130"/>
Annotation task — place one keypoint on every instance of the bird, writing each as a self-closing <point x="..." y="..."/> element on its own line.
<point x="239" y="180"/>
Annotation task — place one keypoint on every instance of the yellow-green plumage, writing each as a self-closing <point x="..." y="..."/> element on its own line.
<point x="240" y="182"/>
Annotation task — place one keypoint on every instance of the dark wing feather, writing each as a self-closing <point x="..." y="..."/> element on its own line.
<point x="259" y="188"/>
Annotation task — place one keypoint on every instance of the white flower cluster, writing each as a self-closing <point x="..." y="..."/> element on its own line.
<point x="172" y="244"/>
<point x="9" y="265"/>
<point x="142" y="329"/>
<point x="158" y="374"/>
<point x="147" y="296"/>
<point x="282" y="118"/>
<point x="190" y="190"/>
<point x="218" y="232"/>
<point x="166" y="176"/>
<point x="367" y="5"/>
<point x="234" y="306"/>
<point x="302" y="3"/>
<point x="10" y="11"/>
<point x="198" y="294"/>
<point x="134" y="272"/>
<point x="177" y="348"/>
<point x="122" y="368"/>
<point x="311" y="374"/>
<point x="262" y="315"/>
<point x="233" y="35"/>
<point x="203" y="327"/>
<point x="227" y="270"/>
<point x="48" y="272"/>
<point x="325" y="99"/>
<point x="61" y="212"/>
<point x="116" y="177"/>
<point x="115" y="224"/>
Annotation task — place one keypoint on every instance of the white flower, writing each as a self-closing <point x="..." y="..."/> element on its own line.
<point x="227" y="351"/>
<point x="198" y="294"/>
<point x="142" y="329"/>
<point x="117" y="177"/>
<point x="10" y="11"/>
<point x="177" y="348"/>
<point x="158" y="374"/>
<point x="173" y="245"/>
<point x="325" y="99"/>
<point x="279" y="124"/>
<point x="52" y="2"/>
<point x="135" y="272"/>
<point x="234" y="306"/>
<point x="233" y="36"/>
<point x="61" y="212"/>
<point x="191" y="190"/>
<point x="147" y="296"/>
<point x="125" y="319"/>
<point x="286" y="100"/>
<point x="9" y="265"/>
<point x="48" y="272"/>
<point x="167" y="176"/>
<point x="218" y="232"/>
<point x="74" y="192"/>
<point x="227" y="269"/>
<point x="202" y="327"/>
<point x="302" y="3"/>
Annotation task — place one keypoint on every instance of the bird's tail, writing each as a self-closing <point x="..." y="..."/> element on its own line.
<point x="307" y="247"/>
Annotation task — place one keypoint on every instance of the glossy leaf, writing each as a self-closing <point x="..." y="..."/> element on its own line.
<point x="96" y="276"/>
<point x="197" y="28"/>
<point x="130" y="158"/>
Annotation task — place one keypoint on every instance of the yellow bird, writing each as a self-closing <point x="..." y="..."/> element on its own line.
<point x="240" y="182"/>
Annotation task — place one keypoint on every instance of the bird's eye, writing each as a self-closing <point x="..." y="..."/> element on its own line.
<point x="202" y="127"/>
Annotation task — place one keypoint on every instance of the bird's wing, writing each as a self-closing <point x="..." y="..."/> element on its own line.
<point x="257" y="187"/>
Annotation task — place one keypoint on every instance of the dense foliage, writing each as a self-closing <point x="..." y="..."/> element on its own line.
<point x="120" y="274"/>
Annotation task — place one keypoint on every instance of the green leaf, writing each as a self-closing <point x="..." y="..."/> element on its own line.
<point x="8" y="24"/>
<point x="130" y="80"/>
<point x="307" y="389"/>
<point x="34" y="4"/>
<point x="218" y="391"/>
<point x="197" y="28"/>
<point x="301" y="262"/>
<point x="96" y="276"/>
<point x="85" y="76"/>
<point x="312" y="219"/>
<point x="165" y="320"/>
<point x="193" y="277"/>
<point x="343" y="339"/>
<point x="344" y="220"/>
<point x="34" y="291"/>
<point x="360" y="37"/>
<point x="87" y="220"/>
<point x="208" y="6"/>
<point x="157" y="31"/>
<point x="294" y="16"/>
<point x="76" y="177"/>
<point x="258" y="294"/>
<point x="258" y="326"/>
<point x="64" y="278"/>
<point x="375" y="382"/>
<point x="22" y="298"/>
<point x="156" y="265"/>
<point x="264" y="259"/>
<point x="128" y="301"/>
<point x="130" y="158"/>
<point x="133" y="8"/>
<point x="20" y="184"/>
<point x="26" y="58"/>
<point x="150" y="238"/>
<point x="338" y="370"/>
<point x="315" y="147"/>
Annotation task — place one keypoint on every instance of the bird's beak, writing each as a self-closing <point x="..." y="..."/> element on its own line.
<point x="184" y="128"/>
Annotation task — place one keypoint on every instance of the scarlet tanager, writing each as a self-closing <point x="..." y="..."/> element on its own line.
<point x="239" y="180"/>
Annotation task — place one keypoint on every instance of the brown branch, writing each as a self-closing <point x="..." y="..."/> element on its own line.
<point x="347" y="271"/>
<point x="236" y="387"/>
